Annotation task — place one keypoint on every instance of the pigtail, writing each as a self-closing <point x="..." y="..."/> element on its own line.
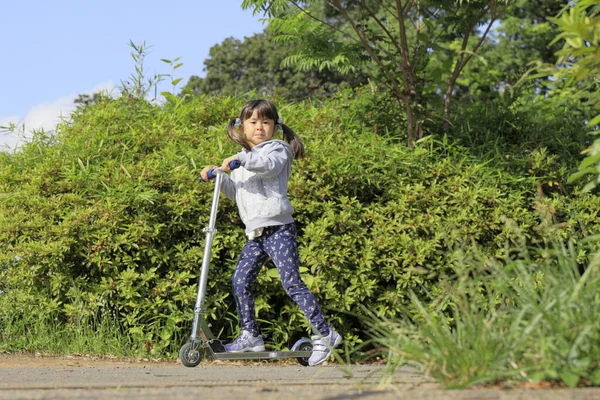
<point x="234" y="134"/>
<point x="294" y="140"/>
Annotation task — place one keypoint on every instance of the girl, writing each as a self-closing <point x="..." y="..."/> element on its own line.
<point x="259" y="188"/>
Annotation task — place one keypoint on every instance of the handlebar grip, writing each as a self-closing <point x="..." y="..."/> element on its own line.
<point x="234" y="164"/>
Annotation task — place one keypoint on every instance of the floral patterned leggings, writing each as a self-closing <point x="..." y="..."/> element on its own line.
<point x="278" y="243"/>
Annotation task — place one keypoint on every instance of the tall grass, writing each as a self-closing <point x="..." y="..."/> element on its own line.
<point x="530" y="316"/>
<point x="44" y="333"/>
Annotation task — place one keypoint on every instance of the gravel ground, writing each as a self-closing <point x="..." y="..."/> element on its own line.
<point x="31" y="377"/>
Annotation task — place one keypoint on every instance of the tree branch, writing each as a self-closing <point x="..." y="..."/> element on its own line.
<point x="461" y="62"/>
<point x="407" y="77"/>
<point x="386" y="8"/>
<point x="382" y="26"/>
<point x="493" y="18"/>
<point x="389" y="75"/>
<point x="331" y="26"/>
<point x="361" y="39"/>
<point x="320" y="20"/>
<point x="403" y="40"/>
<point x="408" y="6"/>
<point x="364" y="38"/>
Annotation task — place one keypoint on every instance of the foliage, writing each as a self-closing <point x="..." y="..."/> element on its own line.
<point x="521" y="38"/>
<point x="106" y="225"/>
<point x="579" y="25"/>
<point x="103" y="222"/>
<point x="530" y="316"/>
<point x="84" y="100"/>
<point x="236" y="67"/>
<point x="139" y="85"/>
<point x="401" y="40"/>
<point x="519" y="127"/>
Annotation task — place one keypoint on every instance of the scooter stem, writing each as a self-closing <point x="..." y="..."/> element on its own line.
<point x="210" y="232"/>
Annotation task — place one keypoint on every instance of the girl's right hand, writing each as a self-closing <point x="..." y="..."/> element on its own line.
<point x="204" y="172"/>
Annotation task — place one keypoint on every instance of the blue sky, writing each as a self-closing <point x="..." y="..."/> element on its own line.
<point x="54" y="50"/>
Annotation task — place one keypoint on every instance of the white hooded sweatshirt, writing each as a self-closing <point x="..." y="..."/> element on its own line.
<point x="259" y="186"/>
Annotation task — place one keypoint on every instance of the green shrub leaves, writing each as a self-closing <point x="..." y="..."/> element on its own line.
<point x="102" y="224"/>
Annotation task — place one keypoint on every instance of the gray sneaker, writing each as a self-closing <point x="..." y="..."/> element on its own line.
<point x="322" y="347"/>
<point x="246" y="342"/>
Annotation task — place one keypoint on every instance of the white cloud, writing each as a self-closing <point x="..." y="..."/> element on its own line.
<point x="43" y="116"/>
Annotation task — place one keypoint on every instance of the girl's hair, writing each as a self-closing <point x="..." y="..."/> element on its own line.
<point x="264" y="109"/>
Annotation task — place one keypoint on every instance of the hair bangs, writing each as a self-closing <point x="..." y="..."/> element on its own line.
<point x="264" y="110"/>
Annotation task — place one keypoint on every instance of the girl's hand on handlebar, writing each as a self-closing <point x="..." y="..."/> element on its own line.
<point x="225" y="166"/>
<point x="204" y="172"/>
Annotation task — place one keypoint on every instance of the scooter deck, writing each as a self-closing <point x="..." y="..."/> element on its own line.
<point x="257" y="355"/>
<point x="216" y="351"/>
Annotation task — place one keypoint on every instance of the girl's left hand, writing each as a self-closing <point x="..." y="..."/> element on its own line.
<point x="225" y="166"/>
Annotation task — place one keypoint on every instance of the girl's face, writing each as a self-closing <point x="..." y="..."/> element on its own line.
<point x="258" y="130"/>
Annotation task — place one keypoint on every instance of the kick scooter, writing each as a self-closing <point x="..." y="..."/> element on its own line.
<point x="202" y="341"/>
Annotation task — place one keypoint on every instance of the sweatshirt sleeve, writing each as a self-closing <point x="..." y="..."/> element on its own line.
<point x="228" y="187"/>
<point x="271" y="162"/>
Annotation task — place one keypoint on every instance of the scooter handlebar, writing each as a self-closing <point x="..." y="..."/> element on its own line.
<point x="234" y="164"/>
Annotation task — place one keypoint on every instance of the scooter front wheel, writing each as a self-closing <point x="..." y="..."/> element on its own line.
<point x="191" y="354"/>
<point x="304" y="347"/>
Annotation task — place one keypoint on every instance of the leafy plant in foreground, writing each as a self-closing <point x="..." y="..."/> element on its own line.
<point x="532" y="317"/>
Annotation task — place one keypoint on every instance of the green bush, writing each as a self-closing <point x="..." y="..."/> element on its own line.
<point x="103" y="222"/>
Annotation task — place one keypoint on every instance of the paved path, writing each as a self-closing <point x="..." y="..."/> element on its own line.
<point x="73" y="378"/>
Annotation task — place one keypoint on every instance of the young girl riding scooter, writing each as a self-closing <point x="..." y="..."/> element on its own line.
<point x="259" y="188"/>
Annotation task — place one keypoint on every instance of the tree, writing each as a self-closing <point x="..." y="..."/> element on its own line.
<point x="236" y="67"/>
<point x="401" y="37"/>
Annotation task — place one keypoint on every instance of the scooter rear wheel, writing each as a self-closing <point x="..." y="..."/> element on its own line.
<point x="304" y="347"/>
<point x="191" y="354"/>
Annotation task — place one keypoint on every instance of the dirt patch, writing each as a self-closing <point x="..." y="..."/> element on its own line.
<point x="40" y="360"/>
<point x="12" y="360"/>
